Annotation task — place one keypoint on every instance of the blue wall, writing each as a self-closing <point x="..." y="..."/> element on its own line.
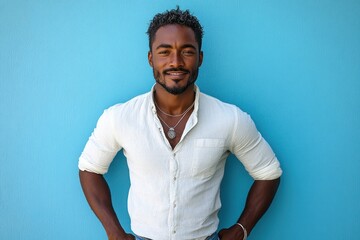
<point x="294" y="65"/>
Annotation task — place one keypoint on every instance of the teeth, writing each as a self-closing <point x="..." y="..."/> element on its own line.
<point x="176" y="73"/>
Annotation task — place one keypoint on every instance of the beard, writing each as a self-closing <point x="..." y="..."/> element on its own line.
<point x="175" y="90"/>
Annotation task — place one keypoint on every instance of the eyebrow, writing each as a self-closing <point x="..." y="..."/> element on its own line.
<point x="169" y="46"/>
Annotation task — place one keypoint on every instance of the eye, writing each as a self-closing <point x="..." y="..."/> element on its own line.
<point x="163" y="52"/>
<point x="188" y="52"/>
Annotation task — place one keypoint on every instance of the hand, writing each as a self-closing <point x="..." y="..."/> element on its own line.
<point x="232" y="233"/>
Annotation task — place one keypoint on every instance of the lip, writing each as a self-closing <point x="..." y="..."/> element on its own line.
<point x="176" y="74"/>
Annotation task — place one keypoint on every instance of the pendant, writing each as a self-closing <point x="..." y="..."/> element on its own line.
<point x="171" y="133"/>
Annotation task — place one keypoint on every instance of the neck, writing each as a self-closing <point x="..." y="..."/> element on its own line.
<point x="173" y="104"/>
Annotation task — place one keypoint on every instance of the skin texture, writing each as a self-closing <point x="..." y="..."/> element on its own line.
<point x="175" y="58"/>
<point x="98" y="195"/>
<point x="259" y="198"/>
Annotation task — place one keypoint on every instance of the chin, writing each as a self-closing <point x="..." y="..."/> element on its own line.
<point x="175" y="90"/>
<point x="175" y="86"/>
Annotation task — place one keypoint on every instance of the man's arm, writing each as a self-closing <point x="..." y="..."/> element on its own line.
<point x="98" y="195"/>
<point x="259" y="198"/>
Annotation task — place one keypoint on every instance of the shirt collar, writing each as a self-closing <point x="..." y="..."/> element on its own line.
<point x="196" y="105"/>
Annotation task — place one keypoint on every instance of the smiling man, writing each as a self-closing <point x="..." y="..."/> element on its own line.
<point x="177" y="44"/>
<point x="176" y="141"/>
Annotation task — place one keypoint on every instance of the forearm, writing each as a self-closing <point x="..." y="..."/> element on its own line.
<point x="259" y="198"/>
<point x="258" y="201"/>
<point x="98" y="195"/>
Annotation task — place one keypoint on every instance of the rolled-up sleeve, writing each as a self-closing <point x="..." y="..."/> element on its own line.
<point x="252" y="150"/>
<point x="101" y="147"/>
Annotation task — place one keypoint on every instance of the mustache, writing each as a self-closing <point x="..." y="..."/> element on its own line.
<point x="175" y="70"/>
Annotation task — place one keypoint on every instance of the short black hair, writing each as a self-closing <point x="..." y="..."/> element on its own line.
<point x="175" y="16"/>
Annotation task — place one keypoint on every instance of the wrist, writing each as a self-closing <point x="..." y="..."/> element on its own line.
<point x="116" y="233"/>
<point x="239" y="225"/>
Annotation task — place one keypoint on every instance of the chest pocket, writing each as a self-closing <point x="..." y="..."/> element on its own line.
<point x="207" y="156"/>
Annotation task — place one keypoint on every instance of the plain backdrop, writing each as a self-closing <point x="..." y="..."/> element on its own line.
<point x="293" y="65"/>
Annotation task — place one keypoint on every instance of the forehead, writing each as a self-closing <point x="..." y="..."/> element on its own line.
<point x="174" y="34"/>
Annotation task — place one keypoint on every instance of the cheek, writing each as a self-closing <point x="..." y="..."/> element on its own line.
<point x="193" y="63"/>
<point x="158" y="61"/>
<point x="157" y="69"/>
<point x="157" y="74"/>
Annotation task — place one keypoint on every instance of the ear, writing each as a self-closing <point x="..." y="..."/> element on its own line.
<point x="150" y="58"/>
<point x="201" y="55"/>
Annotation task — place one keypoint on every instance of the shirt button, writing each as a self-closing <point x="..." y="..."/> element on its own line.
<point x="174" y="232"/>
<point x="174" y="178"/>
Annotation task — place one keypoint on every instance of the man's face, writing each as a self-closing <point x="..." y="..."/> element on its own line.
<point x="175" y="58"/>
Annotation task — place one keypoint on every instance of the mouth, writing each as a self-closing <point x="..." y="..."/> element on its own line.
<point x="176" y="74"/>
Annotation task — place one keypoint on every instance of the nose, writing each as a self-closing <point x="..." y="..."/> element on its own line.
<point x="177" y="60"/>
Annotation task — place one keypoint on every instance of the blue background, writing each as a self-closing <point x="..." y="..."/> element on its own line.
<point x="294" y="65"/>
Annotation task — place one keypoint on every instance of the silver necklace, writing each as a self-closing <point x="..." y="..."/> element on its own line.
<point x="170" y="115"/>
<point x="171" y="132"/>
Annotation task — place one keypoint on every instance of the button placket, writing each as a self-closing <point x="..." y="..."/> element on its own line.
<point x="173" y="198"/>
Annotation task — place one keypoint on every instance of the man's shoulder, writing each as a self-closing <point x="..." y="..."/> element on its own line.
<point x="213" y="102"/>
<point x="217" y="109"/>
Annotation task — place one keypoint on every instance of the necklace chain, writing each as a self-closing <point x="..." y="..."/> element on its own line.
<point x="171" y="132"/>
<point x="177" y="115"/>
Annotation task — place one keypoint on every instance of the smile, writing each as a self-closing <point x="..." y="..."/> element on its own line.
<point x="176" y="73"/>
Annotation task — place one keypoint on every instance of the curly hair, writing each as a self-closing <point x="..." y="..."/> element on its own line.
<point x="175" y="16"/>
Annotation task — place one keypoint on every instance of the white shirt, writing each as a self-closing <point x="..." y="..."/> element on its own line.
<point x="174" y="193"/>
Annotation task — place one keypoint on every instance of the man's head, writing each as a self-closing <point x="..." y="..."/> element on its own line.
<point x="175" y="16"/>
<point x="175" y="55"/>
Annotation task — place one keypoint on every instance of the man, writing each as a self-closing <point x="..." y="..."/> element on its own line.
<point x="176" y="141"/>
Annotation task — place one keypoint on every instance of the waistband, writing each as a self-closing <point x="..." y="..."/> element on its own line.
<point x="213" y="236"/>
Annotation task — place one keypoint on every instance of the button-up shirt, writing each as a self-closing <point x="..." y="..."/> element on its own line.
<point x="174" y="193"/>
